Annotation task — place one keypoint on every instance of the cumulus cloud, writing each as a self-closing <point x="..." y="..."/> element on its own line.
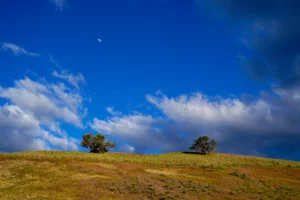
<point x="75" y="80"/>
<point x="270" y="29"/>
<point x="45" y="102"/>
<point x="134" y="125"/>
<point x="267" y="126"/>
<point x="16" y="50"/>
<point x="32" y="117"/>
<point x="19" y="131"/>
<point x="61" y="5"/>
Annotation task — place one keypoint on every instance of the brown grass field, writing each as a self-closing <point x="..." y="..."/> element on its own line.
<point x="116" y="176"/>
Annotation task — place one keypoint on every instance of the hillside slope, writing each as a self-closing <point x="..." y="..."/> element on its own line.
<point x="70" y="175"/>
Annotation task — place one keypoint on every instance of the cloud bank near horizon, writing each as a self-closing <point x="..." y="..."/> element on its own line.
<point x="266" y="126"/>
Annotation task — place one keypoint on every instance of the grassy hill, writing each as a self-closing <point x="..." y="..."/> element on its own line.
<point x="72" y="175"/>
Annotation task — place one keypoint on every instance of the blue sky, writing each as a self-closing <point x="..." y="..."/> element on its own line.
<point x="151" y="75"/>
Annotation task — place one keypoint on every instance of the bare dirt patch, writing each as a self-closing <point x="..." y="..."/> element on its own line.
<point x="162" y="172"/>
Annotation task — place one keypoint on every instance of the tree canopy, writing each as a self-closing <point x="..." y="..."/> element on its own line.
<point x="97" y="143"/>
<point x="203" y="145"/>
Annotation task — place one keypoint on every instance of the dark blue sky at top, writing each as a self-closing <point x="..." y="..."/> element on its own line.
<point x="174" y="46"/>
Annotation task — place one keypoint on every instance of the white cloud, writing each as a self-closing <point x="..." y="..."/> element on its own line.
<point x="34" y="113"/>
<point x="211" y="112"/>
<point x="199" y="107"/>
<point x="66" y="143"/>
<point x="45" y="103"/>
<point x="74" y="80"/>
<point x="99" y="40"/>
<point x="61" y="5"/>
<point x="133" y="125"/>
<point x="30" y="85"/>
<point x="67" y="96"/>
<point x="17" y="50"/>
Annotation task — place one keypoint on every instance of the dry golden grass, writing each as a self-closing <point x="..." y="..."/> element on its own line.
<point x="73" y="175"/>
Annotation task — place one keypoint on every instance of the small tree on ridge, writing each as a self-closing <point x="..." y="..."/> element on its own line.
<point x="97" y="143"/>
<point x="203" y="145"/>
